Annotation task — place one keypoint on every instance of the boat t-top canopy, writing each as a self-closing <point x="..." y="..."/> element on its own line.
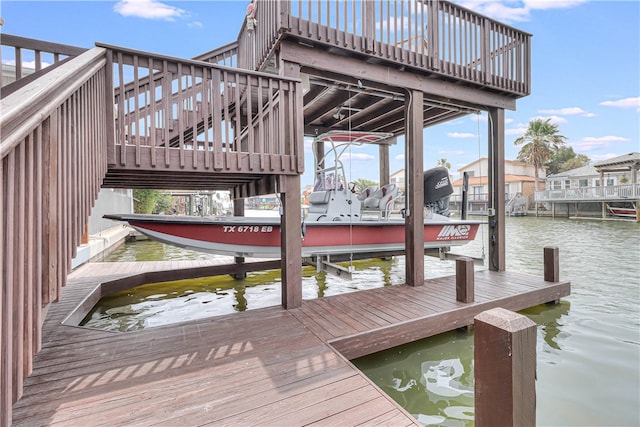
<point x="329" y="169"/>
<point x="357" y="137"/>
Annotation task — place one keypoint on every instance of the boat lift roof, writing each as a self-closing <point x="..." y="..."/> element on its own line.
<point x="356" y="137"/>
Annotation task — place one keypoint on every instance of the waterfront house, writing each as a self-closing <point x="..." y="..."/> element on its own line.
<point x="587" y="190"/>
<point x="519" y="184"/>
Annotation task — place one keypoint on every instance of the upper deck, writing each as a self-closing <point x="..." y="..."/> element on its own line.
<point x="358" y="58"/>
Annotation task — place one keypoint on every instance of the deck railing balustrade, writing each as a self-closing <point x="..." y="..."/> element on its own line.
<point x="610" y="192"/>
<point x="437" y="36"/>
<point x="53" y="162"/>
<point x="31" y="59"/>
<point x="174" y="113"/>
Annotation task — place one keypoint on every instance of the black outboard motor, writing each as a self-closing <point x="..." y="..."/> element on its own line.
<point x="437" y="190"/>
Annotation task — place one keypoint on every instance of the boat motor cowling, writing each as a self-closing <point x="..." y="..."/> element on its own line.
<point x="437" y="190"/>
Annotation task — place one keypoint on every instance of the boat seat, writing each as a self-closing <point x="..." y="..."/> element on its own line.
<point x="382" y="200"/>
<point x="368" y="192"/>
<point x="318" y="201"/>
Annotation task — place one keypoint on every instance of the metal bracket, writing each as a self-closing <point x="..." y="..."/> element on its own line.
<point x="323" y="263"/>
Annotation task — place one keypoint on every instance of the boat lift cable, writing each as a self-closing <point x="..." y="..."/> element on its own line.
<point x="492" y="220"/>
<point x="347" y="189"/>
<point x="480" y="174"/>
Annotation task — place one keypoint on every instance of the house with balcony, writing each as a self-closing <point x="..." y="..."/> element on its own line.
<point x="519" y="186"/>
<point x="594" y="189"/>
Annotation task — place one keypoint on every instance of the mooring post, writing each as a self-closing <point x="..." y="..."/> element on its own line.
<point x="464" y="279"/>
<point x="551" y="264"/>
<point x="505" y="369"/>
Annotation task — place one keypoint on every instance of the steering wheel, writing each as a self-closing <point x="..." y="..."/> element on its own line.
<point x="352" y="187"/>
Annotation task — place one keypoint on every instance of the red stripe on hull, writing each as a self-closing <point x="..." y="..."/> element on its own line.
<point x="315" y="235"/>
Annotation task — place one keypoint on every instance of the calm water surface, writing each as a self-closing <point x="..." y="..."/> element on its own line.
<point x="588" y="371"/>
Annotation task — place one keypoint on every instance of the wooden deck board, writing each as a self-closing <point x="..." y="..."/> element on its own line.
<point x="266" y="366"/>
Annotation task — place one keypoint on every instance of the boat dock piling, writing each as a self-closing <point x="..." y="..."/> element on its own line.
<point x="505" y="369"/>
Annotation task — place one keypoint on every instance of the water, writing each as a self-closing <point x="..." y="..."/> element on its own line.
<point x="588" y="350"/>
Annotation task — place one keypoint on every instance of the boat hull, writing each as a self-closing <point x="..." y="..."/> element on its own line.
<point x="260" y="237"/>
<point x="623" y="212"/>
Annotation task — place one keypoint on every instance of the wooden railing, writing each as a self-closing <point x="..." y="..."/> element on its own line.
<point x="53" y="162"/>
<point x="609" y="192"/>
<point x="226" y="56"/>
<point x="437" y="36"/>
<point x="61" y="131"/>
<point x="40" y="55"/>
<point x="176" y="113"/>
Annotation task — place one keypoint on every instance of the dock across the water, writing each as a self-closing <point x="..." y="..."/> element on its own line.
<point x="267" y="366"/>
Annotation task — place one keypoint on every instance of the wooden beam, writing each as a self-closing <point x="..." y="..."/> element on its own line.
<point x="414" y="220"/>
<point x="388" y="76"/>
<point x="496" y="190"/>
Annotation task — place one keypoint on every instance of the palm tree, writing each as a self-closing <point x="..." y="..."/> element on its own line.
<point x="444" y="163"/>
<point x="539" y="143"/>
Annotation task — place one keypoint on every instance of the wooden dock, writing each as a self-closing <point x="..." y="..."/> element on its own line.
<point x="267" y="366"/>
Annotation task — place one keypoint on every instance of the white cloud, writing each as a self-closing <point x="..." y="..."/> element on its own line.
<point x="149" y="9"/>
<point x="399" y="157"/>
<point x="608" y="138"/>
<point x="497" y="10"/>
<point x="600" y="157"/>
<point x="516" y="11"/>
<point x="591" y="143"/>
<point x="552" y="4"/>
<point x="516" y="131"/>
<point x="357" y="157"/>
<point x="552" y="119"/>
<point x="461" y="135"/>
<point x="623" y="103"/>
<point x="570" y="111"/>
<point x="26" y="64"/>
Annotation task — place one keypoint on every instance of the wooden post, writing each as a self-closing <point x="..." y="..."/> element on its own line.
<point x="238" y="210"/>
<point x="414" y="220"/>
<point x="464" y="279"/>
<point x="497" y="240"/>
<point x="551" y="264"/>
<point x="383" y="151"/>
<point x="291" y="242"/>
<point x="505" y="369"/>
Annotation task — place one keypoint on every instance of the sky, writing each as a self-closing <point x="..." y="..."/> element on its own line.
<point x="585" y="65"/>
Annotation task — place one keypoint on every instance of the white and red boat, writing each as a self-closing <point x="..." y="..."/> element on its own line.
<point x="338" y="220"/>
<point x="626" y="212"/>
<point x="260" y="237"/>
